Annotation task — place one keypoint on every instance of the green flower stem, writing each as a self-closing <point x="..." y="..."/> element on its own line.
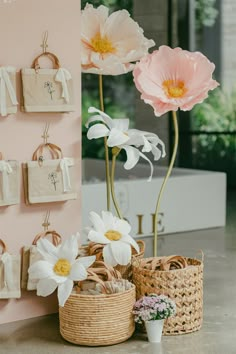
<point x="105" y="145"/>
<point x="115" y="153"/>
<point x="176" y="141"/>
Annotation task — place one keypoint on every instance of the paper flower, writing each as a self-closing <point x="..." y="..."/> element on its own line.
<point x="60" y="268"/>
<point x="174" y="78"/>
<point x="114" y="233"/>
<point x="110" y="44"/>
<point x="120" y="136"/>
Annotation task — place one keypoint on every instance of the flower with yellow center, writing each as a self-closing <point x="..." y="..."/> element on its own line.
<point x="110" y="44"/>
<point x="59" y="268"/>
<point x="171" y="79"/>
<point x="114" y="234"/>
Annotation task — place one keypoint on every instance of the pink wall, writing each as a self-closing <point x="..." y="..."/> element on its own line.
<point x="22" y="24"/>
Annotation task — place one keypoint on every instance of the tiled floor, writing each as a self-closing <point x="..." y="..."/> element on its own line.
<point x="217" y="336"/>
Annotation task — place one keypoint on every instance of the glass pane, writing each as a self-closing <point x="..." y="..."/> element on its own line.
<point x="216" y="153"/>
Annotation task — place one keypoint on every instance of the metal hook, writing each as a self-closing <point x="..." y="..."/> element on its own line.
<point x="46" y="222"/>
<point x="45" y="135"/>
<point x="44" y="44"/>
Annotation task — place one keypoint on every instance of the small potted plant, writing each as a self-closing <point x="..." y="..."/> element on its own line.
<point x="153" y="310"/>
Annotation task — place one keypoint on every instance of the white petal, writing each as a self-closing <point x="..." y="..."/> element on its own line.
<point x="64" y="291"/>
<point x="69" y="249"/>
<point x="92" y="119"/>
<point x="133" y="155"/>
<point x="108" y="256"/>
<point x="97" y="131"/>
<point x="47" y="250"/>
<point x="108" y="220"/>
<point x="131" y="241"/>
<point x="121" y="124"/>
<point x="121" y="252"/>
<point x="78" y="272"/>
<point x="147" y="147"/>
<point x="40" y="270"/>
<point x="97" y="222"/>
<point x="116" y="138"/>
<point x="104" y="117"/>
<point x="97" y="237"/>
<point x="122" y="226"/>
<point x="46" y="287"/>
<point x="58" y="278"/>
<point x="151" y="165"/>
<point x="156" y="153"/>
<point x="163" y="147"/>
<point x="86" y="261"/>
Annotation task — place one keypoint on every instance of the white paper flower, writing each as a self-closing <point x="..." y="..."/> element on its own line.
<point x="60" y="268"/>
<point x="114" y="233"/>
<point x="110" y="44"/>
<point x="119" y="135"/>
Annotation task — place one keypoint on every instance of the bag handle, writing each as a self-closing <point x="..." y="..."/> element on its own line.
<point x="56" y="238"/>
<point x="51" y="56"/>
<point x="3" y="245"/>
<point x="54" y="150"/>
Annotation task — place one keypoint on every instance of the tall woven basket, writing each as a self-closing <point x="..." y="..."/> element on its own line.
<point x="184" y="286"/>
<point x="95" y="320"/>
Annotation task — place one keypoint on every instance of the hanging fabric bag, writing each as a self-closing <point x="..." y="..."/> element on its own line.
<point x="9" y="182"/>
<point x="8" y="100"/>
<point x="50" y="180"/>
<point x="47" y="90"/>
<point x="9" y="274"/>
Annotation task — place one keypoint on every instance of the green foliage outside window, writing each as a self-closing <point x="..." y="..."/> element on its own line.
<point x="216" y="151"/>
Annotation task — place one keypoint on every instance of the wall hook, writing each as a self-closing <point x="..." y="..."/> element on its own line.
<point x="46" y="222"/>
<point x="44" y="44"/>
<point x="45" y="135"/>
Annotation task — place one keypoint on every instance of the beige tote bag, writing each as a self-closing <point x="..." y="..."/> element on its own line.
<point x="47" y="90"/>
<point x="30" y="255"/>
<point x="8" y="100"/>
<point x="50" y="180"/>
<point x="10" y="267"/>
<point x="9" y="182"/>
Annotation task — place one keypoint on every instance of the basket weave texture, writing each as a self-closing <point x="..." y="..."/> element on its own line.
<point x="184" y="286"/>
<point x="95" y="320"/>
<point x="126" y="271"/>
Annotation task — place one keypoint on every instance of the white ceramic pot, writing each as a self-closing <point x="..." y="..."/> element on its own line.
<point x="154" y="330"/>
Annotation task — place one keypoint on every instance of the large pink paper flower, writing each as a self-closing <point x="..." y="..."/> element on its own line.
<point x="174" y="78"/>
<point x="110" y="44"/>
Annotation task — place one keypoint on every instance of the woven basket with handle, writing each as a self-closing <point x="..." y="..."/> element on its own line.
<point x="181" y="279"/>
<point x="96" y="320"/>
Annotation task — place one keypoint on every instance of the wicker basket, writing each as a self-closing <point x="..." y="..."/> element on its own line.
<point x="126" y="271"/>
<point x="184" y="286"/>
<point x="95" y="320"/>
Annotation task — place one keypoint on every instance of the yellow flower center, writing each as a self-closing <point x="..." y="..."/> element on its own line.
<point x="62" y="267"/>
<point x="113" y="235"/>
<point x="174" y="89"/>
<point x="102" y="44"/>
